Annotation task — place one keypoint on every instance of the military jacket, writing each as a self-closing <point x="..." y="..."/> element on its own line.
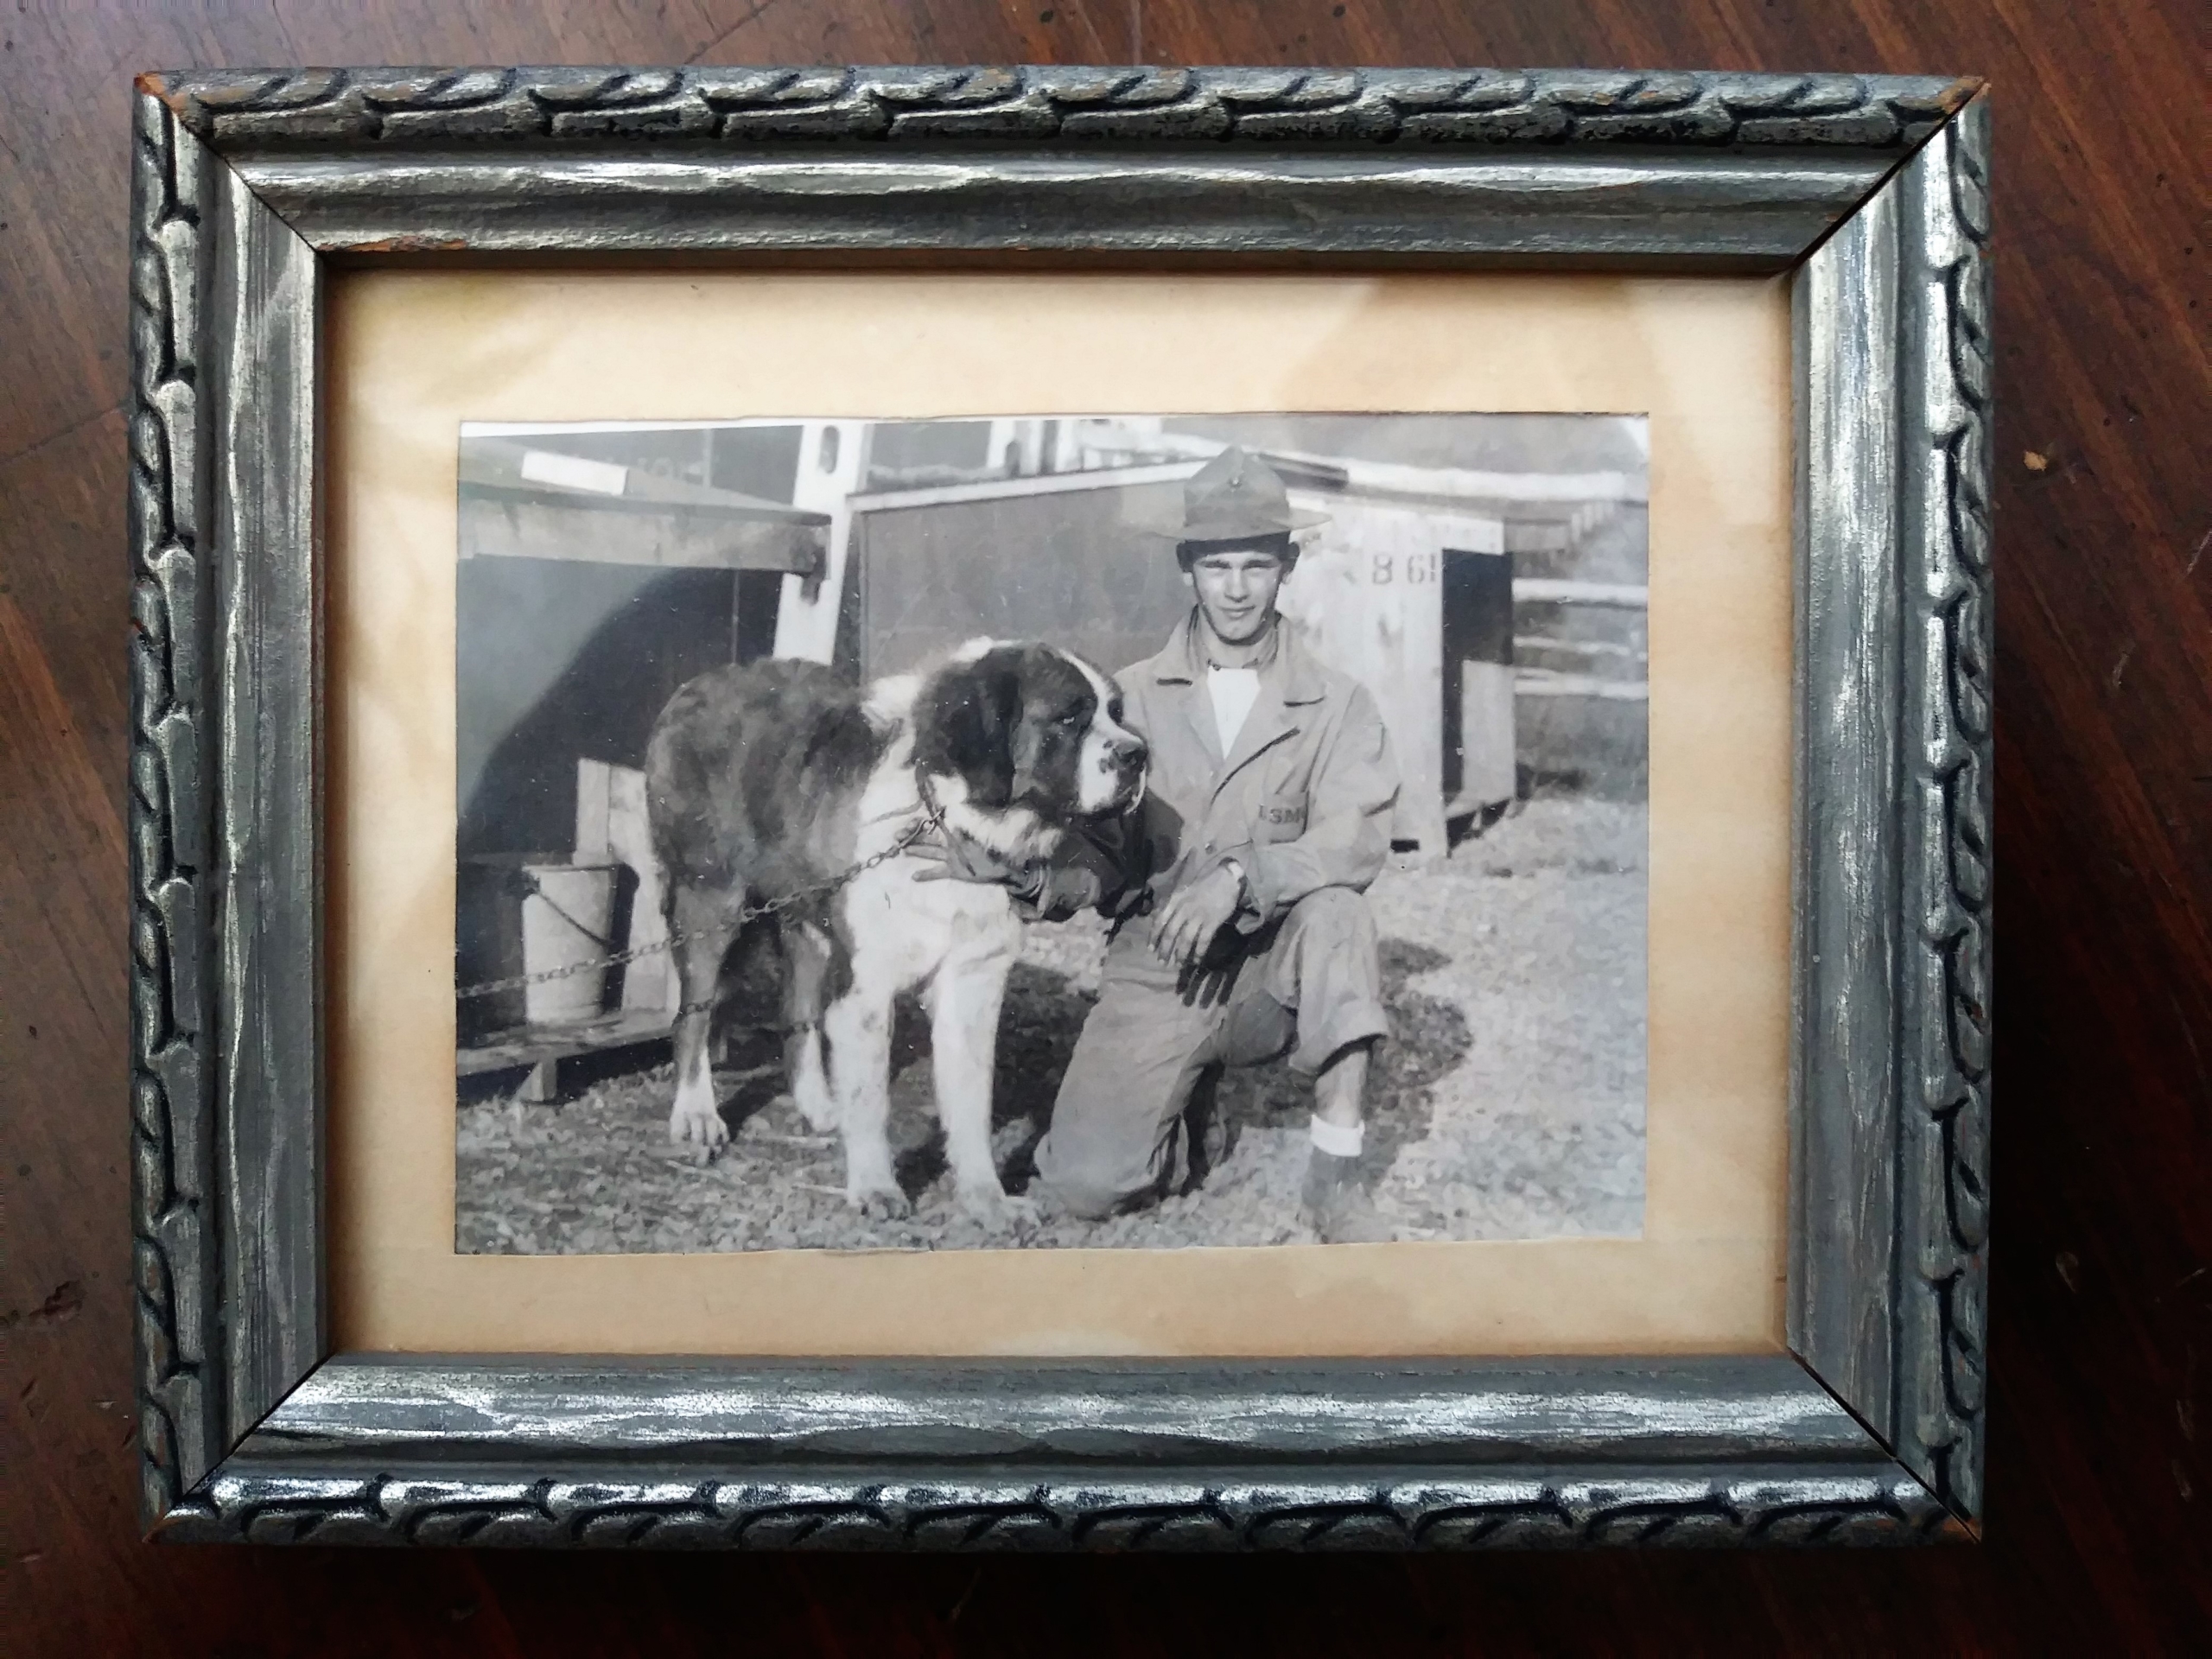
<point x="1302" y="801"/>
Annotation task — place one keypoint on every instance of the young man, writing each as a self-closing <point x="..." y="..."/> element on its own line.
<point x="1241" y="932"/>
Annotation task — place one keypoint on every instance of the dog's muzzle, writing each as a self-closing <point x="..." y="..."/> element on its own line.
<point x="1128" y="757"/>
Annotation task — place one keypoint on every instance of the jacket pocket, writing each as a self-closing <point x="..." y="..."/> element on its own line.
<point x="1280" y="816"/>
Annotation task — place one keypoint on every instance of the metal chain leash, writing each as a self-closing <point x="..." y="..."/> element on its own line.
<point x="932" y="817"/>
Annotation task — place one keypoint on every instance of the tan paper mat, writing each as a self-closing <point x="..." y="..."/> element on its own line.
<point x="413" y="354"/>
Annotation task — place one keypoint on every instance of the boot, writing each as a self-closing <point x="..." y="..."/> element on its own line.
<point x="1336" y="1203"/>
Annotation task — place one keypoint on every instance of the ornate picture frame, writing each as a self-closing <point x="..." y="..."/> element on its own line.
<point x="1870" y="191"/>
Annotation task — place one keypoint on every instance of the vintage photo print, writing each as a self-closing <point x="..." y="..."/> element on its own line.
<point x="1051" y="830"/>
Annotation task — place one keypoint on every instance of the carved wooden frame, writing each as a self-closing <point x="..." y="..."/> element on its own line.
<point x="1871" y="191"/>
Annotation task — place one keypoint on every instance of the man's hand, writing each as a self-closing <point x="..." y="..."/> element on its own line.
<point x="1185" y="927"/>
<point x="956" y="858"/>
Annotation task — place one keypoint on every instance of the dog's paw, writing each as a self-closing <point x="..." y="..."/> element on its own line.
<point x="881" y="1204"/>
<point x="814" y="1105"/>
<point x="997" y="1211"/>
<point x="697" y="1126"/>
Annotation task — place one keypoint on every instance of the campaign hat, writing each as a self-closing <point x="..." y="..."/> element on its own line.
<point x="1233" y="498"/>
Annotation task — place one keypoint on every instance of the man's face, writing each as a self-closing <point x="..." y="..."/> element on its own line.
<point x="1237" y="588"/>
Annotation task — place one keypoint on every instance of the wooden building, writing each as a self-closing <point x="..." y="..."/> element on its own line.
<point x="590" y="587"/>
<point x="595" y="578"/>
<point x="1411" y="585"/>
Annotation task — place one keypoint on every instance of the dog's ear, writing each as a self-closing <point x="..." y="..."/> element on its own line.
<point x="964" y="724"/>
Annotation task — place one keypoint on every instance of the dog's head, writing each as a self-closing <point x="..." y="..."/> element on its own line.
<point x="1003" y="728"/>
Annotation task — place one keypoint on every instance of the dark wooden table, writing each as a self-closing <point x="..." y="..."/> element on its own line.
<point x="2100" y="1345"/>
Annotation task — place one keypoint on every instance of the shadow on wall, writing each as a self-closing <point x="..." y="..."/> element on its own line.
<point x="567" y="661"/>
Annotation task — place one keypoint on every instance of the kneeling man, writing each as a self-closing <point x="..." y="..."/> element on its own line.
<point x="1238" y="883"/>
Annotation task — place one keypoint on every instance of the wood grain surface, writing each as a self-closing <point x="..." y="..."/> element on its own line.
<point x="2100" y="1342"/>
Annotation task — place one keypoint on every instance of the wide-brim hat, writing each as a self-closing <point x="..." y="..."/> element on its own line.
<point x="1232" y="498"/>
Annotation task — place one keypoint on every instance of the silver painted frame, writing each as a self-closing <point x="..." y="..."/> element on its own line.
<point x="1872" y="192"/>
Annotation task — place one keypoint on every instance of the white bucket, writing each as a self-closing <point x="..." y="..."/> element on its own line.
<point x="564" y="924"/>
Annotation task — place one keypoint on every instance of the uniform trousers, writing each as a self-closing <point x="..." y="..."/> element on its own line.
<point x="1308" y="985"/>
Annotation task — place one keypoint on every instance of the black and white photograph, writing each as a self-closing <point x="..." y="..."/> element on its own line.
<point x="1047" y="831"/>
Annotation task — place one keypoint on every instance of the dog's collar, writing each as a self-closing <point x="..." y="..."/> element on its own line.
<point x="926" y="806"/>
<point x="927" y="797"/>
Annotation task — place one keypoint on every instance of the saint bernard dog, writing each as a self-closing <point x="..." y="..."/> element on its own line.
<point x="770" y="781"/>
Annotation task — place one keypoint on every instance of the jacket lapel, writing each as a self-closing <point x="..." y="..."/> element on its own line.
<point x="1269" y="723"/>
<point x="1197" y="711"/>
<point x="1176" y="674"/>
<point x="1288" y="685"/>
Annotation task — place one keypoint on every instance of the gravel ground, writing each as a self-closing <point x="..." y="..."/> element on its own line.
<point x="1509" y="1102"/>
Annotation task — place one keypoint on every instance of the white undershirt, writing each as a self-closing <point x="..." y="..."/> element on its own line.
<point x="1234" y="691"/>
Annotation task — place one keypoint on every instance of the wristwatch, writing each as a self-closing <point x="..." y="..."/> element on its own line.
<point x="1243" y="882"/>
